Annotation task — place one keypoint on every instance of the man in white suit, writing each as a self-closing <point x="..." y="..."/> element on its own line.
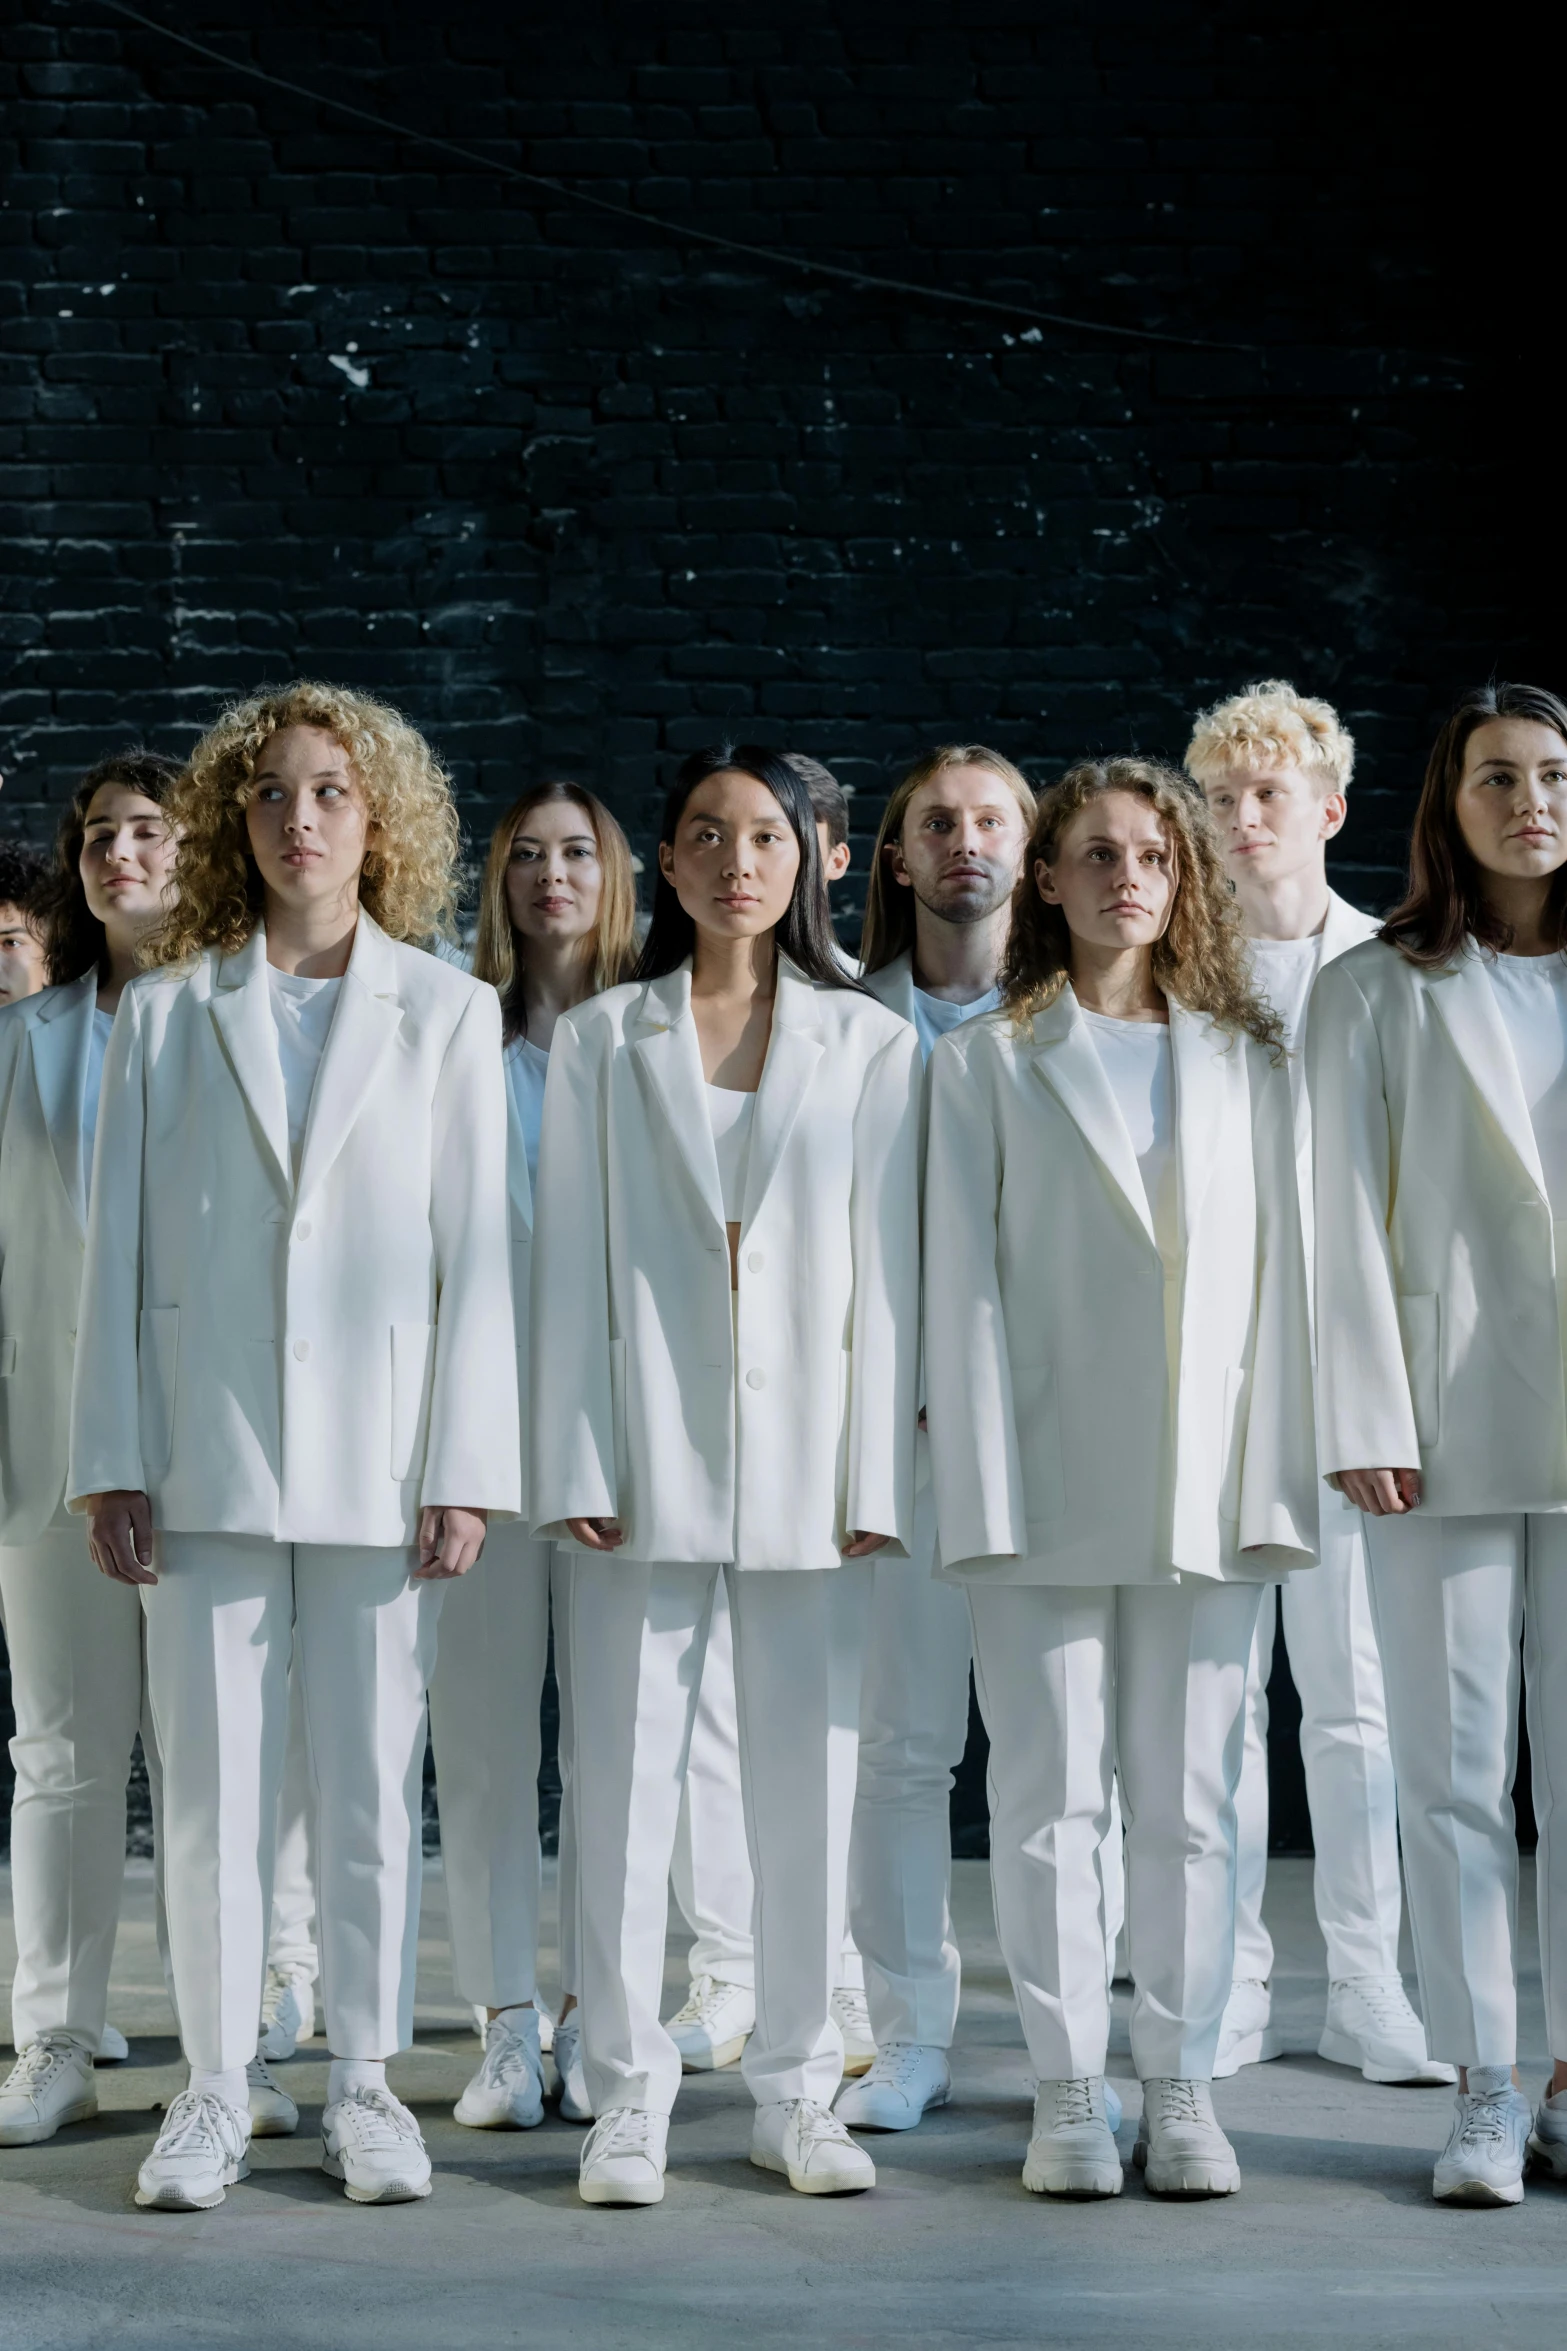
<point x="1274" y="766"/>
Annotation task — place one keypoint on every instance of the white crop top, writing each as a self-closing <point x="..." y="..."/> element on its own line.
<point x="1136" y="1057"/>
<point x="731" y="1115"/>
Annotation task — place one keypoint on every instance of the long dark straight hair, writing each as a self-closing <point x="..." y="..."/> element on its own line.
<point x="74" y="940"/>
<point x="1444" y="906"/>
<point x="805" y="932"/>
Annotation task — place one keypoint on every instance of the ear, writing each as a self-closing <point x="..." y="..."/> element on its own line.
<point x="1335" y="808"/>
<point x="837" y="861"/>
<point x="1044" y="883"/>
<point x="666" y="862"/>
<point x="893" y="853"/>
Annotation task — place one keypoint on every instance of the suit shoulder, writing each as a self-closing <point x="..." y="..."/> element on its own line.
<point x="986" y="1040"/>
<point x="1379" y="972"/>
<point x="603" y="1018"/>
<point x="435" y="978"/>
<point x="863" y="1016"/>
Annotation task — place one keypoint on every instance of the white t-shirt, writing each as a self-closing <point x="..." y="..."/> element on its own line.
<point x="527" y="1067"/>
<point x="731" y="1114"/>
<point x="302" y="1016"/>
<point x="1137" y="1058"/>
<point x="1531" y="996"/>
<point x="934" y="1017"/>
<point x="97" y="1046"/>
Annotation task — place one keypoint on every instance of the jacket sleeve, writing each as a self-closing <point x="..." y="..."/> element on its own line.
<point x="105" y="1454"/>
<point x="884" y="1338"/>
<point x="572" y="1435"/>
<point x="472" y="1458"/>
<point x="1278" y="1494"/>
<point x="1365" y="1412"/>
<point x="975" y="1464"/>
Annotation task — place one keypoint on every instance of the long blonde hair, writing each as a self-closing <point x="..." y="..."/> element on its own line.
<point x="1201" y="959"/>
<point x="408" y="883"/>
<point x="499" y="952"/>
<point x="888" y="929"/>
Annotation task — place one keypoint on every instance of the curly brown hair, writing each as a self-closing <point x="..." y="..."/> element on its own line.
<point x="408" y="884"/>
<point x="1201" y="959"/>
<point x="74" y="943"/>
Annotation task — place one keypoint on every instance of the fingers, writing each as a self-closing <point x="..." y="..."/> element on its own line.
<point x="860" y="1546"/>
<point x="117" y="1549"/>
<point x="596" y="1534"/>
<point x="1382" y="1493"/>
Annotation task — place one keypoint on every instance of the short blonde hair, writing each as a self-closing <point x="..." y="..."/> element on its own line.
<point x="1270" y="720"/>
<point x="888" y="929"/>
<point x="408" y="884"/>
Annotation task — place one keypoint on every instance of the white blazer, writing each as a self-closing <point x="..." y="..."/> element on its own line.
<point x="44" y="1047"/>
<point x="1439" y="1341"/>
<point x="637" y="1413"/>
<point x="1057" y="1459"/>
<point x="519" y="1195"/>
<point x="893" y="985"/>
<point x="310" y="1361"/>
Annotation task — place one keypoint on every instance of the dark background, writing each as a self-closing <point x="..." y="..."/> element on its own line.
<point x="280" y="393"/>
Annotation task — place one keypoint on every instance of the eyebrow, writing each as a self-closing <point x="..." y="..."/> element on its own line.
<point x="537" y="839"/>
<point x="272" y="775"/>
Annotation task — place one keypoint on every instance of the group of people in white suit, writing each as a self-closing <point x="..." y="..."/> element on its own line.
<point x="773" y="1335"/>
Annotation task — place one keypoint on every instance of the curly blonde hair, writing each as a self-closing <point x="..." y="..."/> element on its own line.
<point x="1270" y="720"/>
<point x="1201" y="959"/>
<point x="408" y="883"/>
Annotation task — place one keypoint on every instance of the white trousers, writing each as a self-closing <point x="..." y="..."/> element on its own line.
<point x="638" y="1635"/>
<point x="913" y="1727"/>
<point x="484" y="1725"/>
<point x="224" y="1621"/>
<point x="291" y="1942"/>
<point x="1449" y="1594"/>
<point x="78" y="1691"/>
<point x="1348" y="1760"/>
<point x="1071" y="1682"/>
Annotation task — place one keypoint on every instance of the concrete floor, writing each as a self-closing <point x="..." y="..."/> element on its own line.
<point x="1333" y="2237"/>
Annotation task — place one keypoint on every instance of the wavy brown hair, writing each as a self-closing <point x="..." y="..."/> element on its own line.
<point x="888" y="929"/>
<point x="74" y="942"/>
<point x="408" y="883"/>
<point x="1444" y="906"/>
<point x="1201" y="959"/>
<point x="501" y="950"/>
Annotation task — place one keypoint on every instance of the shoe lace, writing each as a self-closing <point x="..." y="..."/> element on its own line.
<point x="37" y="2064"/>
<point x="507" y="2057"/>
<point x="814" y="2124"/>
<point x="892" y="2067"/>
<point x="1384" y="2000"/>
<point x="1180" y="2101"/>
<point x="706" y="1998"/>
<point x="380" y="2122"/>
<point x="198" y="2122"/>
<point x="1482" y="2118"/>
<point x="1074" y="2101"/>
<point x="260" y="2076"/>
<point x="853" y="2009"/>
<point x="279" y="1987"/>
<point x="625" y="2130"/>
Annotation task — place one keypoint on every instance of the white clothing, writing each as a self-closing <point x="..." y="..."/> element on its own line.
<point x="935" y="1017"/>
<point x="527" y="1067"/>
<point x="1448" y="1594"/>
<point x="1531" y="996"/>
<point x="97" y="1047"/>
<point x="1075" y="1683"/>
<point x="638" y="1631"/>
<point x="731" y="1115"/>
<point x="1137" y="1058"/>
<point x="643" y="1417"/>
<point x="225" y="1617"/>
<point x="1285" y="971"/>
<point x="303" y="1362"/>
<point x="302" y="1012"/>
<point x="291" y="1937"/>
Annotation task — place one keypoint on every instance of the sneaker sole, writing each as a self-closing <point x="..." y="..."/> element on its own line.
<point x="1550" y="2155"/>
<point x="273" y="2126"/>
<point x="726" y="2053"/>
<point x="176" y="2199"/>
<point x="805" y="2186"/>
<point x="908" y="2122"/>
<point x="1191" y="2181"/>
<point x="1479" y="2192"/>
<point x="1074" y="2183"/>
<point x="1257" y="2049"/>
<point x="853" y="2067"/>
<point x="600" y="2192"/>
<point x="388" y="2192"/>
<point x="34" y="2134"/>
<point x="1339" y="2049"/>
<point x="498" y="2122"/>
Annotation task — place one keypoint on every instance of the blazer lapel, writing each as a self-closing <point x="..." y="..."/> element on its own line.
<point x="1462" y="996"/>
<point x="893" y="985"/>
<point x="1065" y="1058"/>
<point x="669" y="1059"/>
<point x="367" y="1018"/>
<point x="793" y="1051"/>
<point x="1344" y="928"/>
<point x="242" y="1011"/>
<point x="1208" y="1065"/>
<point x="60" y="1039"/>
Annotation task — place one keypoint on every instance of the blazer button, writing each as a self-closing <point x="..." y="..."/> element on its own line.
<point x="755" y="1262"/>
<point x="301" y="1350"/>
<point x="756" y="1379"/>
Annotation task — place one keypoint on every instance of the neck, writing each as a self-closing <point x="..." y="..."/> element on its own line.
<point x="735" y="968"/>
<point x="1117" y="981"/>
<point x="1294" y="907"/>
<point x="557" y="974"/>
<point x="1521" y="905"/>
<point x="123" y="966"/>
<point x="959" y="961"/>
<point x="311" y="942"/>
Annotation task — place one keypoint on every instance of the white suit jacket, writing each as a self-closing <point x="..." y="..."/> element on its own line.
<point x="1439" y="1341"/>
<point x="637" y="1413"/>
<point x="1057" y="1457"/>
<point x="44" y="1045"/>
<point x="519" y="1193"/>
<point x="310" y="1361"/>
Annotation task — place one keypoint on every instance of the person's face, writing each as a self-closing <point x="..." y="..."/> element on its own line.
<point x="1272" y="818"/>
<point x="1114" y="874"/>
<point x="1511" y="803"/>
<point x="307" y="819"/>
<point x="554" y="878"/>
<point x="835" y="854"/>
<point x="961" y="846"/>
<point x="734" y="858"/>
<point x="21" y="956"/>
<point x="127" y="860"/>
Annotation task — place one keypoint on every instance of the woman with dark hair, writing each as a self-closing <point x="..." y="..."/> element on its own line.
<point x="1438" y="1071"/>
<point x="76" y="1648"/>
<point x="725" y="1302"/>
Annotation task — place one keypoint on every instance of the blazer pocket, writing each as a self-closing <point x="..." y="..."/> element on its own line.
<point x="413" y="1372"/>
<point x="617" y="1408"/>
<point x="1037" y="1416"/>
<point x="157" y="1376"/>
<point x="1420" y="1319"/>
<point x="7" y="1359"/>
<point x="1232" y="1438"/>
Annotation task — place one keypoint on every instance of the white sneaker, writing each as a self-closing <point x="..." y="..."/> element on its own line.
<point x="273" y="2114"/>
<point x="854" y="2022"/>
<point x="113" y="2047"/>
<point x="905" y="2082"/>
<point x="623" y="2157"/>
<point x="572" y="2083"/>
<point x="1112" y="2107"/>
<point x="507" y="2092"/>
<point x="809" y="2143"/>
<point x="1248" y="2035"/>
<point x="714" y="2025"/>
<point x="1484" y="2158"/>
<point x="1548" y="2139"/>
<point x="50" y="2085"/>
<point x="1072" y="2150"/>
<point x="203" y="2148"/>
<point x="371" y="2142"/>
<point x="546" y="2026"/>
<point x="288" y="2013"/>
<point x="1371" y="2026"/>
<point x="1180" y="2146"/>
